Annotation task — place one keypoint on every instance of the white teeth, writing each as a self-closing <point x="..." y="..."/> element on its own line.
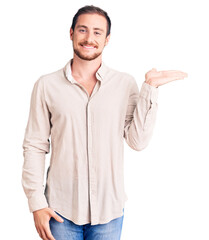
<point x="88" y="47"/>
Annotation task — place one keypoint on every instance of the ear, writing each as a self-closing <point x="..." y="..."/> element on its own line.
<point x="71" y="33"/>
<point x="107" y="39"/>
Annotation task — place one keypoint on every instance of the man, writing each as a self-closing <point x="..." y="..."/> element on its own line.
<point x="88" y="109"/>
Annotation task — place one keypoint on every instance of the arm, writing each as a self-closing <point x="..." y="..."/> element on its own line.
<point x="142" y="107"/>
<point x="140" y="115"/>
<point x="35" y="145"/>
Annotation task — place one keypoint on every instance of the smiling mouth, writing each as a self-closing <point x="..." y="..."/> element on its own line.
<point x="88" y="46"/>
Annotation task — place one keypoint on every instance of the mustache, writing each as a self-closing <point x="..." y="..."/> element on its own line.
<point x="89" y="44"/>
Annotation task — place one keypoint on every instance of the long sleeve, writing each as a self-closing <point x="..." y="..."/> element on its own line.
<point x="35" y="145"/>
<point x="140" y="115"/>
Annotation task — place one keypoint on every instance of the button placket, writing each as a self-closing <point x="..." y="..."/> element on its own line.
<point x="91" y="160"/>
<point x="92" y="176"/>
<point x="91" y="164"/>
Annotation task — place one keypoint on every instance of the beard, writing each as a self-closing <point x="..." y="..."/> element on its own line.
<point x="84" y="56"/>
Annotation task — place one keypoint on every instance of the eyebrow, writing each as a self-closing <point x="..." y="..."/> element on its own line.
<point x="83" y="26"/>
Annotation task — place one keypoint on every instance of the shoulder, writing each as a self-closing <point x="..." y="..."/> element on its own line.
<point x="120" y="75"/>
<point x="52" y="76"/>
<point x="49" y="79"/>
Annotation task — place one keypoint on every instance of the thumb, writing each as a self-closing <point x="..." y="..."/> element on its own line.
<point x="57" y="217"/>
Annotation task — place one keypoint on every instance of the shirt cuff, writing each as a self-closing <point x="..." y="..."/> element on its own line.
<point x="149" y="91"/>
<point x="36" y="203"/>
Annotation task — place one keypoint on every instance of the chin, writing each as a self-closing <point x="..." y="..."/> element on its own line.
<point x="86" y="57"/>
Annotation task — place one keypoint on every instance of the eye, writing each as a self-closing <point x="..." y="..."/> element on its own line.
<point x="82" y="30"/>
<point x="97" y="33"/>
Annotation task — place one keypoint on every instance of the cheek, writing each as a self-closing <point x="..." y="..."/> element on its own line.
<point x="77" y="39"/>
<point x="76" y="42"/>
<point x="102" y="43"/>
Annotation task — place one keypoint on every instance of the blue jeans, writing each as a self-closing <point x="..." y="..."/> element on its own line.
<point x="71" y="231"/>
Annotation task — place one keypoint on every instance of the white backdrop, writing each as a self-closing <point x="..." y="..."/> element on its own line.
<point x="167" y="183"/>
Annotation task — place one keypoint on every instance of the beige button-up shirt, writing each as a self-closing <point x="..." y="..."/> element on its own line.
<point x="85" y="178"/>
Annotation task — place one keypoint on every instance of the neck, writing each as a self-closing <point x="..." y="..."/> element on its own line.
<point x="85" y="69"/>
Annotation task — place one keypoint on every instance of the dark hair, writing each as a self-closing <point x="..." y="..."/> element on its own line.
<point x="91" y="9"/>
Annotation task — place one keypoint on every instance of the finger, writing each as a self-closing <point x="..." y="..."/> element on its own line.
<point x="172" y="71"/>
<point x="169" y="74"/>
<point x="48" y="233"/>
<point x="172" y="78"/>
<point x="43" y="234"/>
<point x="181" y="75"/>
<point x="39" y="232"/>
<point x="57" y="217"/>
<point x="175" y="72"/>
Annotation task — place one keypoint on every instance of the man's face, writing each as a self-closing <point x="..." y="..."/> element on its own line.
<point x="89" y="36"/>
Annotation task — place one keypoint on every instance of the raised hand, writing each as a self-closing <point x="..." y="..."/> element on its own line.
<point x="41" y="219"/>
<point x="157" y="78"/>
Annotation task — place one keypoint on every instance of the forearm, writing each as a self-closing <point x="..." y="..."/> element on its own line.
<point x="33" y="179"/>
<point x="139" y="129"/>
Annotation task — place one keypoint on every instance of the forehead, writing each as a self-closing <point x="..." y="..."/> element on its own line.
<point x="92" y="20"/>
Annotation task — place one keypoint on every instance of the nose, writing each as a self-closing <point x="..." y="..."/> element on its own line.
<point x="89" y="37"/>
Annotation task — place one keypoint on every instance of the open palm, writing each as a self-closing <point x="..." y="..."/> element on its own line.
<point x="158" y="78"/>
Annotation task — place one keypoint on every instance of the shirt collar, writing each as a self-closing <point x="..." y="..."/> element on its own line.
<point x="100" y="74"/>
